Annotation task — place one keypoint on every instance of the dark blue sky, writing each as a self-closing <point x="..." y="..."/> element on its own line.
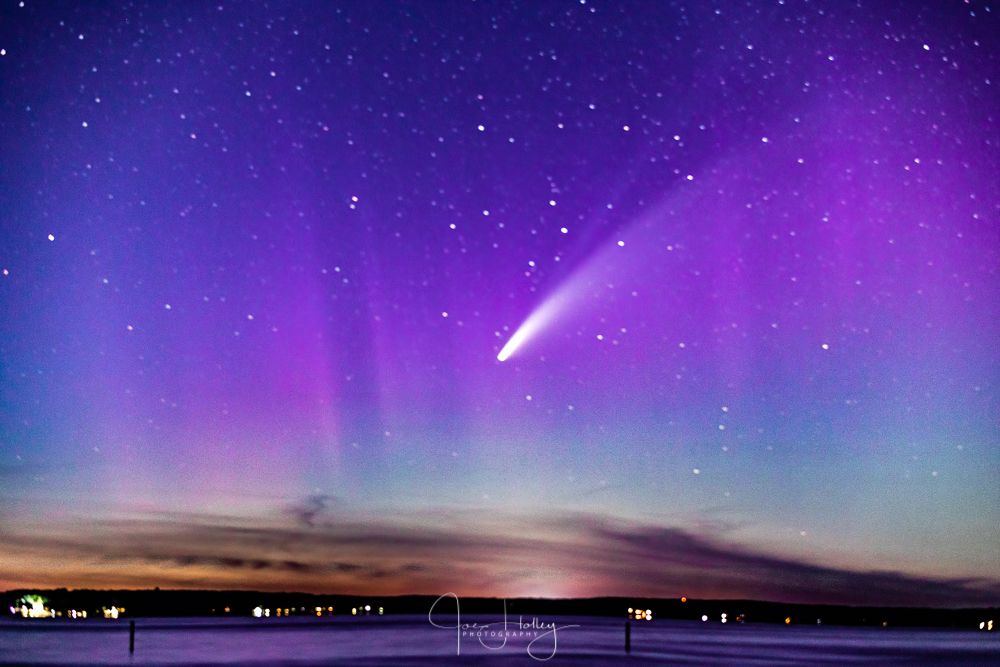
<point x="259" y="261"/>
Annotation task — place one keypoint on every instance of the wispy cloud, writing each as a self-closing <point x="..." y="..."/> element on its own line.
<point x="674" y="558"/>
<point x="310" y="508"/>
<point x="315" y="548"/>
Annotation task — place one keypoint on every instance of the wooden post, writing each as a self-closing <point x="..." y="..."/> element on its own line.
<point x="131" y="637"/>
<point x="628" y="636"/>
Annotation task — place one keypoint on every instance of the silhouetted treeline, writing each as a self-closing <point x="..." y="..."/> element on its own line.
<point x="156" y="602"/>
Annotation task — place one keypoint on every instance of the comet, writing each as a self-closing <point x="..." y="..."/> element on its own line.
<point x="609" y="268"/>
<point x="585" y="285"/>
<point x="515" y="342"/>
<point x="535" y="322"/>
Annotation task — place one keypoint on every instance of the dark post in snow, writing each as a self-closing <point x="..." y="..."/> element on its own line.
<point x="131" y="637"/>
<point x="628" y="636"/>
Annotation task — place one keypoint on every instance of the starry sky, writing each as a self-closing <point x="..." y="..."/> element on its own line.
<point x="547" y="298"/>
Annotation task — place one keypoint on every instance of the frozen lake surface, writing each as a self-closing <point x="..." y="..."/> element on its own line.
<point x="411" y="640"/>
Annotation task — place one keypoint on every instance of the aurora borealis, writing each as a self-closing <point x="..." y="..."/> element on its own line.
<point x="259" y="260"/>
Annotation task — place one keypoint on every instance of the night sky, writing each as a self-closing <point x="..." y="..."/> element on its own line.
<point x="547" y="298"/>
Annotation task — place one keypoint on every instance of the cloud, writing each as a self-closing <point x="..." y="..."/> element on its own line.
<point x="310" y="508"/>
<point x="229" y="562"/>
<point x="669" y="556"/>
<point x="469" y="552"/>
